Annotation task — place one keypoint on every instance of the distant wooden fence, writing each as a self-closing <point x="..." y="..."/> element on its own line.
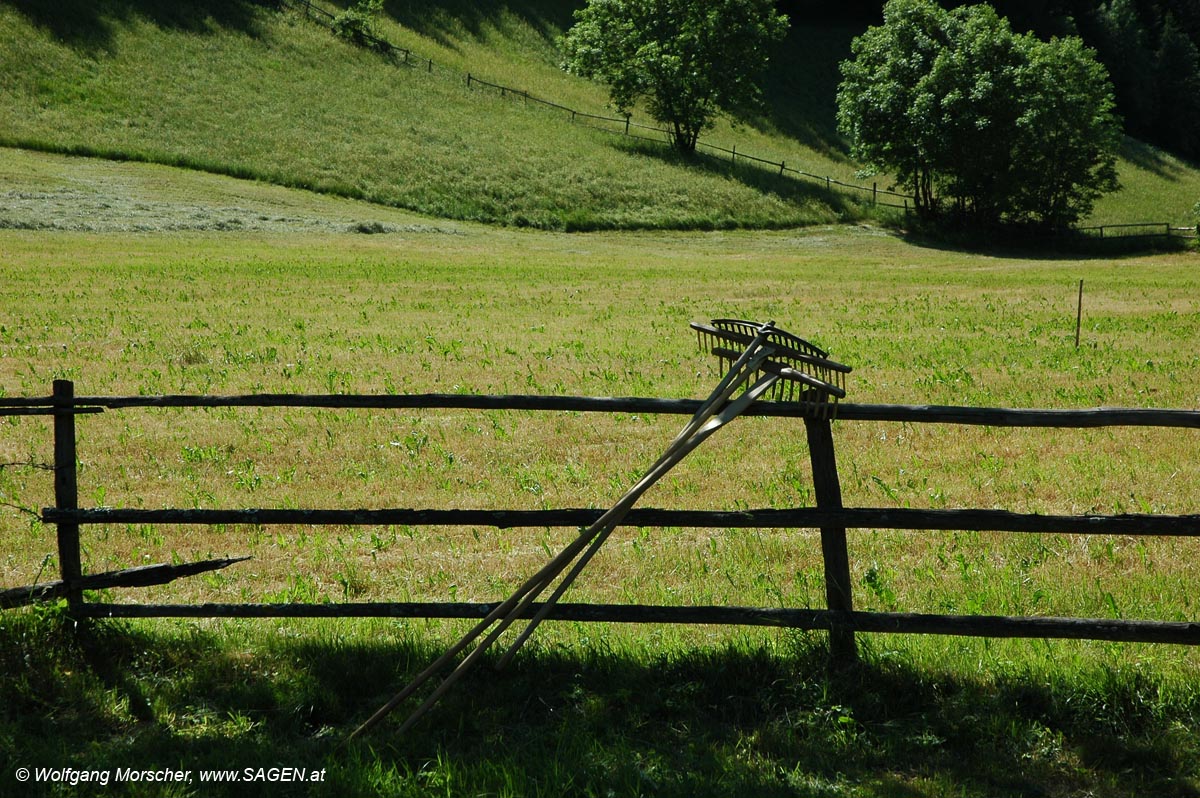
<point x="829" y="516"/>
<point x="1145" y="230"/>
<point x="625" y="126"/>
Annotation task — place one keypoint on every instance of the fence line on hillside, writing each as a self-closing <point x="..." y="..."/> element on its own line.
<point x="622" y="125"/>
<point x="626" y="127"/>
<point x="829" y="516"/>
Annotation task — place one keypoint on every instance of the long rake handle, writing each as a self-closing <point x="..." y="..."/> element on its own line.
<point x="515" y="604"/>
<point x="599" y="531"/>
<point x="500" y="611"/>
<point x="728" y="414"/>
<point x="520" y="600"/>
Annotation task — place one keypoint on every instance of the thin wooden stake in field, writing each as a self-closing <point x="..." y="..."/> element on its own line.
<point x="1079" y="314"/>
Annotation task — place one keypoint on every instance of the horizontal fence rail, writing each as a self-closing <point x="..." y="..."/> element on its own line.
<point x="1137" y="230"/>
<point x="829" y="517"/>
<point x="801" y="517"/>
<point x="993" y="626"/>
<point x="846" y="411"/>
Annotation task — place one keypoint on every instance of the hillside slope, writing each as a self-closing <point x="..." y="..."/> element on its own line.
<point x="232" y="87"/>
<point x="257" y="93"/>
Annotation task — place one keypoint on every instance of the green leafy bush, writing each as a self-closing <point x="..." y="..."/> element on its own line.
<point x="358" y="23"/>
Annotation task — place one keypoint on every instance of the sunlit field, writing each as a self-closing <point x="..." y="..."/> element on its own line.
<point x="484" y="311"/>
<point x="460" y="308"/>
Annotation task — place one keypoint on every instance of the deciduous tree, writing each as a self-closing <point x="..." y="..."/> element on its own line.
<point x="978" y="122"/>
<point x="689" y="60"/>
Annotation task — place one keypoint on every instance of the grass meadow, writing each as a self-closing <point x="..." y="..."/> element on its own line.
<point x="303" y="305"/>
<point x="130" y="276"/>
<point x="234" y="88"/>
<point x="272" y="96"/>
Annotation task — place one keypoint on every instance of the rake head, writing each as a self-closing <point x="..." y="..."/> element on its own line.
<point x="807" y="375"/>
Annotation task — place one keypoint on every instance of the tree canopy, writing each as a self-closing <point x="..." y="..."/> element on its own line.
<point x="978" y="122"/>
<point x="690" y="61"/>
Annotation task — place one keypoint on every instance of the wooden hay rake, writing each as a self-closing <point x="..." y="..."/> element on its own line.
<point x="765" y="362"/>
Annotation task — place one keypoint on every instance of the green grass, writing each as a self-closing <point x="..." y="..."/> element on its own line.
<point x="279" y="99"/>
<point x="1155" y="187"/>
<point x="233" y="88"/>
<point x="135" y="278"/>
<point x="743" y="718"/>
<point x="589" y="709"/>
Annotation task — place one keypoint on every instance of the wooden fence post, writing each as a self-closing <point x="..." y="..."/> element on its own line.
<point x="828" y="491"/>
<point x="66" y="489"/>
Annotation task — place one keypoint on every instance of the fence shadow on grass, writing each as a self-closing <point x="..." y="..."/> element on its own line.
<point x="735" y="720"/>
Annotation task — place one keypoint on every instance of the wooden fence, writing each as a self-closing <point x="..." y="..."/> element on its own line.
<point x="1139" y="231"/>
<point x="829" y="516"/>
<point x="626" y="127"/>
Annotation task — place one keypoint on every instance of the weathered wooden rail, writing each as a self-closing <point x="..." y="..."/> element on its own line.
<point x="829" y="516"/>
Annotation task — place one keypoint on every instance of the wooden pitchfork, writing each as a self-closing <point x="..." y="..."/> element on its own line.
<point x="765" y="359"/>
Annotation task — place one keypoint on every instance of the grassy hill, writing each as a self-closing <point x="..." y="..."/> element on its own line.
<point x="247" y="91"/>
<point x="231" y="87"/>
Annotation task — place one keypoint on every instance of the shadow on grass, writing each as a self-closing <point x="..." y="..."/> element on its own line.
<point x="1021" y="245"/>
<point x="445" y="21"/>
<point x="90" y="25"/>
<point x="762" y="178"/>
<point x="800" y="87"/>
<point x="1151" y="159"/>
<point x="735" y="720"/>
